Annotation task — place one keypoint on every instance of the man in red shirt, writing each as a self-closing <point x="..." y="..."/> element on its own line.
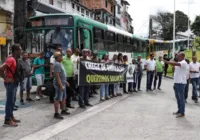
<point x="7" y="71"/>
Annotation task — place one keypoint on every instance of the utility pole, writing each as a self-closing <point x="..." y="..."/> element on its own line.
<point x="20" y="16"/>
<point x="150" y="27"/>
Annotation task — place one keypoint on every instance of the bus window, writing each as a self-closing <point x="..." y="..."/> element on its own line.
<point x="120" y="45"/>
<point x="98" y="39"/>
<point x="109" y="42"/>
<point x="60" y="36"/>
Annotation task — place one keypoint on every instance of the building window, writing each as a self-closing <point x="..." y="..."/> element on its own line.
<point x="91" y="15"/>
<point x="78" y="8"/>
<point x="106" y="2"/>
<point x="87" y="13"/>
<point x="59" y="4"/>
<point x="82" y="10"/>
<point x="51" y="2"/>
<point x="73" y="6"/>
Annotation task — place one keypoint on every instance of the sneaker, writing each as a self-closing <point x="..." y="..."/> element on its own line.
<point x="15" y="109"/>
<point x="176" y="113"/>
<point x="29" y="99"/>
<point x="196" y="101"/>
<point x="108" y="97"/>
<point x="64" y="112"/>
<point x="37" y="98"/>
<point x="159" y="89"/>
<point x="180" y="116"/>
<point x="22" y="102"/>
<point x="10" y="123"/>
<point x="102" y="99"/>
<point x="89" y="105"/>
<point x="58" y="116"/>
<point x="43" y="96"/>
<point x="82" y="106"/>
<point x="16" y="106"/>
<point x="15" y="120"/>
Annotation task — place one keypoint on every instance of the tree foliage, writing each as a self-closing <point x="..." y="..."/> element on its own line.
<point x="163" y="22"/>
<point x="196" y="26"/>
<point x="196" y="43"/>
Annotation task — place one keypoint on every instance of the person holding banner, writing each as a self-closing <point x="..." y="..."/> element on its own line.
<point x="104" y="87"/>
<point x="112" y="87"/>
<point x="119" y="61"/>
<point x="83" y="99"/>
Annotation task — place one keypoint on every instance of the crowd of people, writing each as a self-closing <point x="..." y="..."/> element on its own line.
<point x="18" y="70"/>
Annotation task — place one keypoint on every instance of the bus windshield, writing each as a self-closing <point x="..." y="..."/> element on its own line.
<point x="37" y="40"/>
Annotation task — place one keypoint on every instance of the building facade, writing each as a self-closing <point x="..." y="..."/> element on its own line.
<point x="6" y="27"/>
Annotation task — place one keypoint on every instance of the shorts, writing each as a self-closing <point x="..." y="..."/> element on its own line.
<point x="27" y="84"/>
<point x="60" y="95"/>
<point x="40" y="79"/>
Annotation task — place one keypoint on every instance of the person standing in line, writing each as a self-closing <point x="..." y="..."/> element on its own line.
<point x="165" y="57"/>
<point x="83" y="89"/>
<point x="27" y="82"/>
<point x="104" y="87"/>
<point x="69" y="69"/>
<point x="112" y="87"/>
<point x="194" y="77"/>
<point x="150" y="67"/>
<point x="60" y="83"/>
<point x="75" y="58"/>
<point x="94" y="59"/>
<point x="8" y="72"/>
<point x="180" y="80"/>
<point x="159" y="73"/>
<point x="52" y="59"/>
<point x="188" y="81"/>
<point x="134" y="85"/>
<point x="38" y="65"/>
<point x="119" y="61"/>
<point x="139" y="72"/>
<point x="125" y="60"/>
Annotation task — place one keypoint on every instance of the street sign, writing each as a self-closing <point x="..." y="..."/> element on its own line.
<point x="2" y="41"/>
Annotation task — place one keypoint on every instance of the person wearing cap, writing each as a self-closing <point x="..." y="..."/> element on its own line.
<point x="74" y="59"/>
<point x="83" y="99"/>
<point x="60" y="83"/>
<point x="159" y="72"/>
<point x="150" y="67"/>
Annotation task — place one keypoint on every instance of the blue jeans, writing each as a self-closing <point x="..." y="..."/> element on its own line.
<point x="179" y="93"/>
<point x="139" y="79"/>
<point x="159" y="78"/>
<point x="83" y="95"/>
<point x="150" y="75"/>
<point x="104" y="90"/>
<point x="195" y="82"/>
<point x="11" y="90"/>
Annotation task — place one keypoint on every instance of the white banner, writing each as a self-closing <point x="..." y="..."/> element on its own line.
<point x="129" y="74"/>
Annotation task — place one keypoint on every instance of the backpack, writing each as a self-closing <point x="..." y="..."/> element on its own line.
<point x="18" y="75"/>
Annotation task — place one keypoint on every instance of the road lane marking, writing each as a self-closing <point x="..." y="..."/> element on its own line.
<point x="67" y="123"/>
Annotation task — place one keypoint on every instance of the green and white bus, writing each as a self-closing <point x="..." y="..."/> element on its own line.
<point x="76" y="31"/>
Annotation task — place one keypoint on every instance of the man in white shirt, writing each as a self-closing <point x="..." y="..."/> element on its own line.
<point x="180" y="80"/>
<point x="150" y="67"/>
<point x="52" y="59"/>
<point x="75" y="57"/>
<point x="194" y="76"/>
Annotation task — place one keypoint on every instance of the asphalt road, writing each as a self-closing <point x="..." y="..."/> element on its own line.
<point x="137" y="116"/>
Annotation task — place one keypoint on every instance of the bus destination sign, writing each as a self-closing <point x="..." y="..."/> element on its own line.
<point x="55" y="21"/>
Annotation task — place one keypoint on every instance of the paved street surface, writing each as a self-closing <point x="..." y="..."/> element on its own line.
<point x="134" y="116"/>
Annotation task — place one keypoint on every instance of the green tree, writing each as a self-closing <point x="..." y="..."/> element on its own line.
<point x="196" y="43"/>
<point x="163" y="22"/>
<point x="196" y="26"/>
